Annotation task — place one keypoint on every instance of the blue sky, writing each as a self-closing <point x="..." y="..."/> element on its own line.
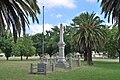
<point x="63" y="11"/>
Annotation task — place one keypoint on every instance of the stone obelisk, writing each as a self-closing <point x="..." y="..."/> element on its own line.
<point x="61" y="59"/>
<point x="61" y="45"/>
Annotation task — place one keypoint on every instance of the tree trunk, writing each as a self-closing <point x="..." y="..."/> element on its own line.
<point x="118" y="54"/>
<point x="89" y="56"/>
<point x="7" y="58"/>
<point x="41" y="56"/>
<point x="85" y="56"/>
<point x="21" y="56"/>
<point x="26" y="57"/>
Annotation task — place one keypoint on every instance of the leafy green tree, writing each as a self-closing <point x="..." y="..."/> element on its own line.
<point x="111" y="42"/>
<point x="15" y="13"/>
<point x="18" y="48"/>
<point x="37" y="43"/>
<point x="112" y="8"/>
<point x="29" y="49"/>
<point x="29" y="52"/>
<point x="51" y="40"/>
<point x="49" y="43"/>
<point x="89" y="35"/>
<point x="6" y="43"/>
<point x="24" y="47"/>
<point x="68" y="40"/>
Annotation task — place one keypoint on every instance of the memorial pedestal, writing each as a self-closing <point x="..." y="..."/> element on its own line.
<point x="61" y="59"/>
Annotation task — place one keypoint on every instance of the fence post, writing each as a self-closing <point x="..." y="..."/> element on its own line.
<point x="38" y="67"/>
<point x="70" y="62"/>
<point x="45" y="69"/>
<point x="50" y="61"/>
<point x="54" y="60"/>
<point x="79" y="63"/>
<point x="53" y="67"/>
<point x="31" y="66"/>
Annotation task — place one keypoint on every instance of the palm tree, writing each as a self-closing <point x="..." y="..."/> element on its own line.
<point x="88" y="35"/>
<point x="112" y="8"/>
<point x="15" y="13"/>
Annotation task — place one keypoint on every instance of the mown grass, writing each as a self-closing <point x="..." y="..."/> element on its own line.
<point x="19" y="70"/>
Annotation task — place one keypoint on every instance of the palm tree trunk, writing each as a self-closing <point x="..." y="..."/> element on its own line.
<point x="85" y="56"/>
<point x="89" y="56"/>
<point x="1" y="28"/>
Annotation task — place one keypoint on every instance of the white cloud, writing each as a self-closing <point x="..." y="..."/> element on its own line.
<point x="64" y="24"/>
<point x="58" y="15"/>
<point x="38" y="28"/>
<point x="91" y="1"/>
<point x="57" y="3"/>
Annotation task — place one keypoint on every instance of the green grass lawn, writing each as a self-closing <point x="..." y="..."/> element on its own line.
<point x="19" y="70"/>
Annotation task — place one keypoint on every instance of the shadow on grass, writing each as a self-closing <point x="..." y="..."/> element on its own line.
<point x="20" y="60"/>
<point x="107" y="65"/>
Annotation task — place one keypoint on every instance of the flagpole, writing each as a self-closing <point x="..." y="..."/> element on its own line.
<point x="43" y="34"/>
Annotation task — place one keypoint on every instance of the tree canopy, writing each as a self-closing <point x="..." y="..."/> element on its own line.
<point x="88" y="35"/>
<point x="14" y="15"/>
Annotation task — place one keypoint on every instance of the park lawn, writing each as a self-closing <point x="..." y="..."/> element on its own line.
<point x="19" y="70"/>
